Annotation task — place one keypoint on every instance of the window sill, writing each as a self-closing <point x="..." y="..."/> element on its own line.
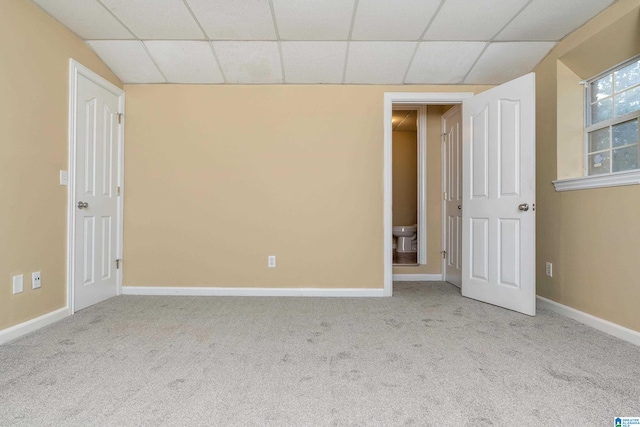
<point x="598" y="181"/>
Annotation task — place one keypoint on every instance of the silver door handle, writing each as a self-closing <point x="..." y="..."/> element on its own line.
<point x="83" y="205"/>
<point x="523" y="207"/>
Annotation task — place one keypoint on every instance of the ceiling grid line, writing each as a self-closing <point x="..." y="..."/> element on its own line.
<point x="195" y="18"/>
<point x="346" y="53"/>
<point x="415" y="50"/>
<point x="491" y="40"/>
<point x="207" y="37"/>
<point x="146" y="49"/>
<point x="215" y="55"/>
<point x="510" y="21"/>
<point x="484" y="49"/>
<point x="277" y="31"/>
<point x="135" y="36"/>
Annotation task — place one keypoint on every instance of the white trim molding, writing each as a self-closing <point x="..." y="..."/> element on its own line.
<point x="598" y="181"/>
<point x="391" y="99"/>
<point x="252" y="292"/>
<point x="602" y="325"/>
<point x="417" y="277"/>
<point x="33" y="325"/>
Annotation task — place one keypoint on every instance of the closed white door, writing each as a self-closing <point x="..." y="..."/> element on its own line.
<point x="498" y="216"/>
<point x="452" y="174"/>
<point x="96" y="175"/>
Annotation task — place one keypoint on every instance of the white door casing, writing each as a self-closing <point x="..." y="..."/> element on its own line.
<point x="452" y="192"/>
<point x="498" y="228"/>
<point x="95" y="177"/>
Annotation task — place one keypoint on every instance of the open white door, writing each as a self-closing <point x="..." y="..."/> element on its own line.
<point x="498" y="215"/>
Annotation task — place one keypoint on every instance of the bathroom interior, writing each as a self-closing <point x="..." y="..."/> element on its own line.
<point x="406" y="259"/>
<point x="405" y="187"/>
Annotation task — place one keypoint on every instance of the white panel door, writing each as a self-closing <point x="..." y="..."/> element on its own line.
<point x="452" y="162"/>
<point x="498" y="219"/>
<point x="95" y="202"/>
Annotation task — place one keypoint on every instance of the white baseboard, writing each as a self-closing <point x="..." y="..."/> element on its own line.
<point x="610" y="328"/>
<point x="265" y="292"/>
<point x="32" y="325"/>
<point x="417" y="277"/>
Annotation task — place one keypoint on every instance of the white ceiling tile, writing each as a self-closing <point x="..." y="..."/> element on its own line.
<point x="87" y="18"/>
<point x="392" y="19"/>
<point x="505" y="61"/>
<point x="128" y="59"/>
<point x="378" y="62"/>
<point x="156" y="19"/>
<point x="234" y="20"/>
<point x="185" y="61"/>
<point x="551" y="19"/>
<point x="313" y="62"/>
<point x="249" y="62"/>
<point x="443" y="62"/>
<point x="472" y="20"/>
<point x="313" y="19"/>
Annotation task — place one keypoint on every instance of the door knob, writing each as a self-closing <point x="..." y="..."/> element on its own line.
<point x="460" y="207"/>
<point x="83" y="205"/>
<point x="523" y="207"/>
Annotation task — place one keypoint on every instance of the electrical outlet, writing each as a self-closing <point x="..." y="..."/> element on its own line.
<point x="18" y="284"/>
<point x="271" y="261"/>
<point x="35" y="280"/>
<point x="549" y="269"/>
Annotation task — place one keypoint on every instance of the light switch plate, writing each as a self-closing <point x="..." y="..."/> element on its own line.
<point x="64" y="178"/>
<point x="18" y="284"/>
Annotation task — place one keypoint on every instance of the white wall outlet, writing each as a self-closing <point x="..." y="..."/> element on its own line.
<point x="18" y="284"/>
<point x="549" y="269"/>
<point x="35" y="280"/>
<point x="64" y="178"/>
<point x="271" y="261"/>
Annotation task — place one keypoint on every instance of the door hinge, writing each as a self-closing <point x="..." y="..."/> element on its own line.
<point x="120" y="115"/>
<point x="444" y="196"/>
<point x="117" y="191"/>
<point x="118" y="264"/>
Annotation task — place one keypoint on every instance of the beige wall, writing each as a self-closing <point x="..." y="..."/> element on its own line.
<point x="34" y="74"/>
<point x="434" y="199"/>
<point x="591" y="236"/>
<point x="219" y="177"/>
<point x="405" y="177"/>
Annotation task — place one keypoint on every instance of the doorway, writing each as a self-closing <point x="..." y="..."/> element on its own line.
<point x="395" y="101"/>
<point x="409" y="135"/>
<point x="95" y="210"/>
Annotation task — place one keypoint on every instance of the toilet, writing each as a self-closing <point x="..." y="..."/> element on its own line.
<point x="406" y="235"/>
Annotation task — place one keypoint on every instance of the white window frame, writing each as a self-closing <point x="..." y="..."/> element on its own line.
<point x="611" y="179"/>
<point x="589" y="127"/>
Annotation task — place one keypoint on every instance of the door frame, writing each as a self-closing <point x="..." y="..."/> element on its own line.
<point x="76" y="69"/>
<point x="399" y="99"/>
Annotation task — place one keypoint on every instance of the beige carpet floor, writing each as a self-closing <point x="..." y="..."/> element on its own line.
<point x="427" y="356"/>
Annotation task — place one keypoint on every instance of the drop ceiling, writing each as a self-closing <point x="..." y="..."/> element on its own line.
<point x="322" y="41"/>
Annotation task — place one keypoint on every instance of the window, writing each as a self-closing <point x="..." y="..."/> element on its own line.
<point x="612" y="115"/>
